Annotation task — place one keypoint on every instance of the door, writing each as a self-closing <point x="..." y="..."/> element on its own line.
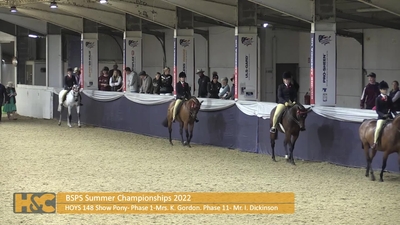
<point x="280" y="69"/>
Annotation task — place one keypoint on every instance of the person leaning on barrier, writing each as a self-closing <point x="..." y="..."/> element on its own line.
<point x="384" y="109"/>
<point x="395" y="95"/>
<point x="370" y="92"/>
<point x="182" y="93"/>
<point x="133" y="80"/>
<point x="287" y="97"/>
<point x="147" y="83"/>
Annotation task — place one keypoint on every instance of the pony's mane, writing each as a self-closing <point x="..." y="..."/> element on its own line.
<point x="194" y="99"/>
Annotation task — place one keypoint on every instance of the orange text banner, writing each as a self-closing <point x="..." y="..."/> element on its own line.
<point x="178" y="203"/>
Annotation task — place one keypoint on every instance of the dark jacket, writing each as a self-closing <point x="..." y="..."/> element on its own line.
<point x="104" y="83"/>
<point x="7" y="97"/>
<point x="203" y="85"/>
<point x="69" y="81"/>
<point x="156" y="86"/>
<point x="232" y="93"/>
<point x="368" y="96"/>
<point x="396" y="102"/>
<point x="182" y="90"/>
<point x="166" y="84"/>
<point x="286" y="93"/>
<point x="213" y="89"/>
<point x="384" y="107"/>
<point x="2" y="94"/>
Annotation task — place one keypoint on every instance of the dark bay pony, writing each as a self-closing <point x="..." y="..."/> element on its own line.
<point x="186" y="117"/>
<point x="389" y="142"/>
<point x="291" y="122"/>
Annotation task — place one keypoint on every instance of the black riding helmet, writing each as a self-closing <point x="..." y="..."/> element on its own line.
<point x="287" y="75"/>
<point x="70" y="70"/>
<point x="182" y="74"/>
<point x="383" y="85"/>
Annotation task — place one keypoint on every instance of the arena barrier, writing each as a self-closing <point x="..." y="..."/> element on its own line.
<point x="331" y="135"/>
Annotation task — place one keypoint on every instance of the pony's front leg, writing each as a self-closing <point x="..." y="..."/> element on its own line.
<point x="187" y="134"/>
<point x="78" y="112"/>
<point x="69" y="116"/>
<point x="190" y="133"/>
<point x="59" y="121"/>
<point x="292" y="144"/>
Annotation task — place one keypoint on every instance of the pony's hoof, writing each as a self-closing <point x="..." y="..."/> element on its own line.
<point x="367" y="175"/>
<point x="79" y="126"/>
<point x="273" y="159"/>
<point x="381" y="180"/>
<point x="69" y="126"/>
<point x="171" y="143"/>
<point x="59" y="124"/>
<point x="293" y="163"/>
<point x="189" y="145"/>
<point x="372" y="177"/>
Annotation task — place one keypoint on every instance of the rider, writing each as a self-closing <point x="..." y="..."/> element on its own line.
<point x="69" y="82"/>
<point x="77" y="75"/>
<point x="182" y="93"/>
<point x="384" y="109"/>
<point x="287" y="96"/>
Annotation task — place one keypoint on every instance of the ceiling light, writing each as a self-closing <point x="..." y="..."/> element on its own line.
<point x="13" y="9"/>
<point x="53" y="5"/>
<point x="4" y="61"/>
<point x="32" y="36"/>
<point x="265" y="25"/>
<point x="103" y="1"/>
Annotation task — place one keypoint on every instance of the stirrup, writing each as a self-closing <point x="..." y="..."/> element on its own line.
<point x="272" y="130"/>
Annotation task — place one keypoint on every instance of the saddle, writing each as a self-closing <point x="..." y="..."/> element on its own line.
<point x="179" y="106"/>
<point x="280" y="118"/>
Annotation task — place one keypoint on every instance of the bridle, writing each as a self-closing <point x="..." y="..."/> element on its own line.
<point x="298" y="113"/>
<point x="194" y="107"/>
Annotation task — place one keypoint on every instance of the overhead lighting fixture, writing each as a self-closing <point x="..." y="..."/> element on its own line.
<point x="4" y="61"/>
<point x="103" y="1"/>
<point x="53" y="5"/>
<point x="13" y="9"/>
<point x="32" y="36"/>
<point x="265" y="25"/>
<point x="369" y="10"/>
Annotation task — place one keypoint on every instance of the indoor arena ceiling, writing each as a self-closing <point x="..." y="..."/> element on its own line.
<point x="350" y="14"/>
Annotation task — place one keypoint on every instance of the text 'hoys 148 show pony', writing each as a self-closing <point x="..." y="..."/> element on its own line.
<point x="71" y="100"/>
<point x="289" y="115"/>
<point x="382" y="134"/>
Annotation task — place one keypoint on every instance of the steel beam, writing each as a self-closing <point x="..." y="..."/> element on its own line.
<point x="147" y="10"/>
<point x="221" y="12"/>
<point x="362" y="19"/>
<point x="109" y="19"/>
<point x="21" y="2"/>
<point x="64" y="21"/>
<point x="390" y="6"/>
<point x="26" y="22"/>
<point x="299" y="24"/>
<point x="300" y="9"/>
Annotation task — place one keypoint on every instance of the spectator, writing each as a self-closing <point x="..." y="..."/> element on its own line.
<point x="370" y="92"/>
<point x="132" y="80"/>
<point x="231" y="94"/>
<point x="77" y="74"/>
<point x="157" y="83"/>
<point x="213" y="87"/>
<point x="10" y="101"/>
<point x="395" y="95"/>
<point x="224" y="90"/>
<point x="104" y="80"/>
<point x="3" y="93"/>
<point x="116" y="81"/>
<point x="203" y="84"/>
<point x="147" y="83"/>
<point x="115" y="68"/>
<point x="166" y="82"/>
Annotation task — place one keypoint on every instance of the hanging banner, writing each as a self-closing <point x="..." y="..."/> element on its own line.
<point x="184" y="60"/>
<point x="312" y="70"/>
<point x="132" y="55"/>
<point x="325" y="68"/>
<point x="90" y="64"/>
<point x="246" y="63"/>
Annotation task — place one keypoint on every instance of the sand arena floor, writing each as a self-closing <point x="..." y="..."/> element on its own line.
<point x="38" y="155"/>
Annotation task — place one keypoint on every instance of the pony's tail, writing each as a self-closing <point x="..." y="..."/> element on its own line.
<point x="165" y="122"/>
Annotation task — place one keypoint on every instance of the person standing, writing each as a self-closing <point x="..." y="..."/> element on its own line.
<point x="203" y="84"/>
<point x="213" y="87"/>
<point x="10" y="101"/>
<point x="2" y="96"/>
<point x="132" y="80"/>
<point x="147" y="83"/>
<point x="166" y="82"/>
<point x="395" y="95"/>
<point x="370" y="92"/>
<point x="104" y="80"/>
<point x="157" y="83"/>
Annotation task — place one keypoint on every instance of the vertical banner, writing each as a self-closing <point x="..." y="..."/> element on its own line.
<point x="247" y="66"/>
<point x="132" y="55"/>
<point x="90" y="63"/>
<point x="185" y="59"/>
<point x="325" y="68"/>
<point x="174" y="81"/>
<point x="312" y="70"/>
<point x="236" y="67"/>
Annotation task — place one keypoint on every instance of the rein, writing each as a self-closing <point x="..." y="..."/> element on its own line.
<point x="299" y="112"/>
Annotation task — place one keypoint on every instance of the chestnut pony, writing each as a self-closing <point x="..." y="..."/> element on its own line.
<point x="291" y="122"/>
<point x="388" y="143"/>
<point x="186" y="116"/>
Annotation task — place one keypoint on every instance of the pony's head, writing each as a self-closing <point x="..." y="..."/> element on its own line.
<point x="76" y="90"/>
<point x="194" y="107"/>
<point x="299" y="113"/>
